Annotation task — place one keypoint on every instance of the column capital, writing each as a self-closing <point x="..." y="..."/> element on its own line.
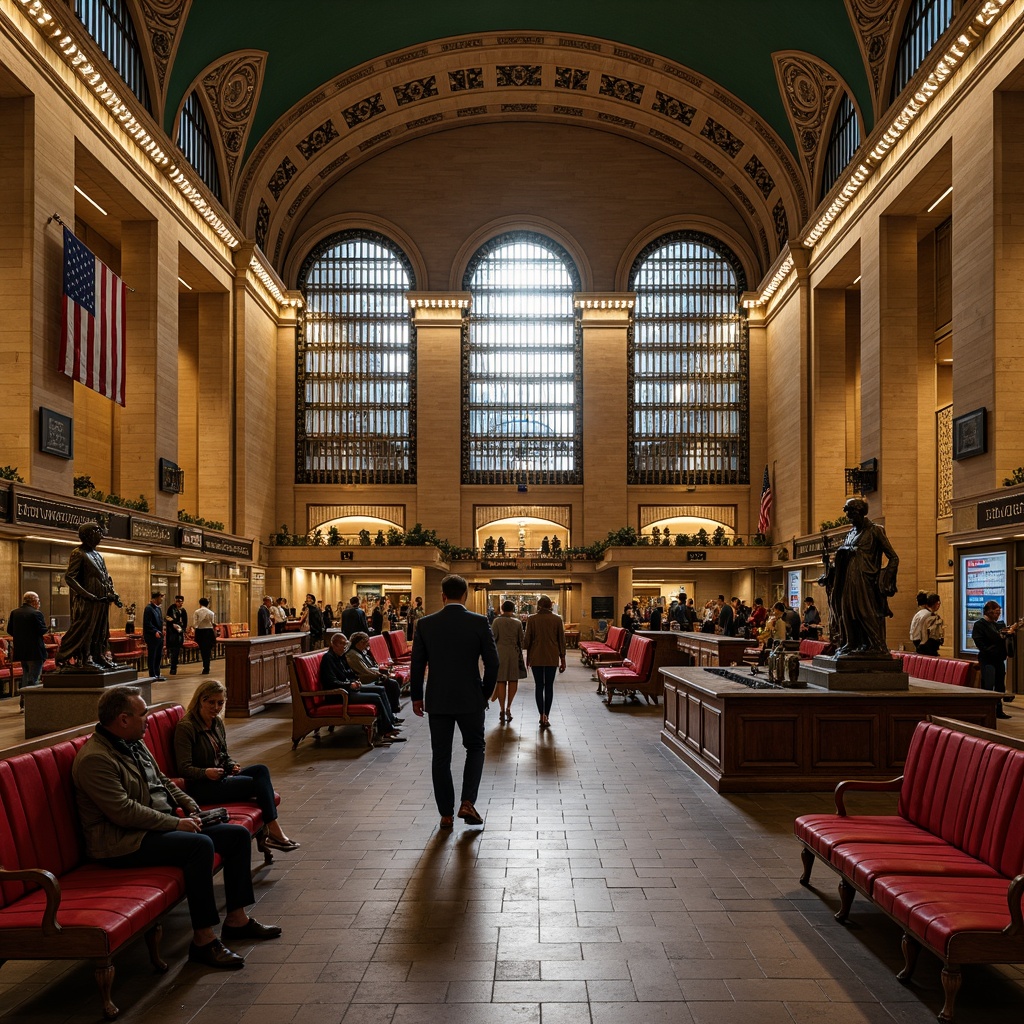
<point x="438" y="309"/>
<point x="605" y="307"/>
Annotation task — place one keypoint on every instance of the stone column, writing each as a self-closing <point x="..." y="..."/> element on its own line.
<point x="144" y="428"/>
<point x="438" y="319"/>
<point x="606" y="320"/>
<point x="216" y="455"/>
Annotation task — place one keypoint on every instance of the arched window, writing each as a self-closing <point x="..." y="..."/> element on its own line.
<point x="521" y="375"/>
<point x="843" y="142"/>
<point x="355" y="378"/>
<point x="926" y="21"/>
<point x="110" y="24"/>
<point x="195" y="140"/>
<point x="688" y="365"/>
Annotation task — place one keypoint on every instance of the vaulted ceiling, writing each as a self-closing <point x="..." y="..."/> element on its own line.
<point x="298" y="95"/>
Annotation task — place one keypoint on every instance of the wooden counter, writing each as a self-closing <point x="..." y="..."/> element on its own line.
<point x="742" y="740"/>
<point x="712" y="649"/>
<point x="256" y="670"/>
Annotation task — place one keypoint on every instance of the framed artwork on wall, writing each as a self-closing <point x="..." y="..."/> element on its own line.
<point x="969" y="434"/>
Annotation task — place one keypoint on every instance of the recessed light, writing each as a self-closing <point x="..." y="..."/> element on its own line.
<point x="89" y="199"/>
<point x="939" y="200"/>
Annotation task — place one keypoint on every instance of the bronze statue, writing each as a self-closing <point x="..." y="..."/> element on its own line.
<point x="92" y="594"/>
<point x="859" y="586"/>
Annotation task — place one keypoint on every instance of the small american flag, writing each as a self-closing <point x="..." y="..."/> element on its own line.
<point x="93" y="322"/>
<point x="764" y="517"/>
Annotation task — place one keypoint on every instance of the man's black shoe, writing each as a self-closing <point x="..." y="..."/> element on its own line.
<point x="1000" y="713"/>
<point x="215" y="954"/>
<point x="252" y="929"/>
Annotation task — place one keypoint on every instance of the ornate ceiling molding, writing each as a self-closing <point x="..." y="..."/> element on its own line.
<point x="232" y="89"/>
<point x="811" y="90"/>
<point x="875" y="24"/>
<point x="162" y="21"/>
<point x="493" y="77"/>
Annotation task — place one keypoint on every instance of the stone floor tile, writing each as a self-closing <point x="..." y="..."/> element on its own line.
<point x="540" y="991"/>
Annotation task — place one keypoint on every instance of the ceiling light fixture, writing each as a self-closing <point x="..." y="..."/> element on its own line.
<point x="181" y="280"/>
<point x="89" y="199"/>
<point x="939" y="200"/>
<point x="856" y="280"/>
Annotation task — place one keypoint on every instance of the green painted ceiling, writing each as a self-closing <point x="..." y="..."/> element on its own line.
<point x="310" y="42"/>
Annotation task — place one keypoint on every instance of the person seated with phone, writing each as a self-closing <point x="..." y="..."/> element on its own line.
<point x="212" y="776"/>
<point x="128" y="811"/>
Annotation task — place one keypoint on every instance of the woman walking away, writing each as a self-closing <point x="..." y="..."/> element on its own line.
<point x="545" y="651"/>
<point x="212" y="776"/>
<point x="508" y="637"/>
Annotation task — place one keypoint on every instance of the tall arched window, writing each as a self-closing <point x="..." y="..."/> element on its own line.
<point x="688" y="365"/>
<point x="843" y="143"/>
<point x="110" y="24"/>
<point x="926" y="21"/>
<point x="356" y="372"/>
<point x="195" y="140"/>
<point x="521" y="373"/>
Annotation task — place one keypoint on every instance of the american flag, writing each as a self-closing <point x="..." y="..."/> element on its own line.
<point x="93" y="322"/>
<point x="764" y="517"/>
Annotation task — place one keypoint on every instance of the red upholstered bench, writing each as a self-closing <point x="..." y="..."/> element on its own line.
<point x="634" y="675"/>
<point x="399" y="646"/>
<point x="939" y="670"/>
<point x="948" y="867"/>
<point x="54" y="903"/>
<point x="311" y="711"/>
<point x="597" y="652"/>
<point x="812" y="648"/>
<point x="382" y="655"/>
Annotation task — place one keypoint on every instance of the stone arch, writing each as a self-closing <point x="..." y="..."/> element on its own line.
<point x="550" y="78"/>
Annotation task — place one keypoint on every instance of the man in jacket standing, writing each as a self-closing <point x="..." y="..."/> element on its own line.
<point x="353" y="619"/>
<point x="265" y="618"/>
<point x="451" y="643"/>
<point x="27" y="628"/>
<point x="153" y="633"/>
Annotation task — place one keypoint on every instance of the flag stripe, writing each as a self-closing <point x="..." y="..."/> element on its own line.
<point x="92" y="343"/>
<point x="764" y="518"/>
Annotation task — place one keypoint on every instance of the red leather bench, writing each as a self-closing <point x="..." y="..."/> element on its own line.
<point x="11" y="671"/>
<point x="382" y="655"/>
<point x="948" y="867"/>
<point x="634" y="674"/>
<point x="939" y="670"/>
<point x="399" y="646"/>
<point x="594" y="652"/>
<point x="812" y="648"/>
<point x="54" y="903"/>
<point x="311" y="711"/>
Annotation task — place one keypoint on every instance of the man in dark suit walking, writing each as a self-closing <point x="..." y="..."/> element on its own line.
<point x="264" y="618"/>
<point x="153" y="633"/>
<point x="451" y="643"/>
<point x="353" y="619"/>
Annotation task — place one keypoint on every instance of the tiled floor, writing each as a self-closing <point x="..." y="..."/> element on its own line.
<point x="609" y="886"/>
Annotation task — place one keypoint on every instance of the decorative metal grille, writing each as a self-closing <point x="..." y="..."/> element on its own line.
<point x="944" y="462"/>
<point x="110" y="24"/>
<point x="356" y="361"/>
<point x="926" y="21"/>
<point x="522" y="384"/>
<point x="688" y="365"/>
<point x="195" y="140"/>
<point x="843" y="143"/>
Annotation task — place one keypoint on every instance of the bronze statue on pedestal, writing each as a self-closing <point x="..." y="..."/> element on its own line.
<point x="92" y="593"/>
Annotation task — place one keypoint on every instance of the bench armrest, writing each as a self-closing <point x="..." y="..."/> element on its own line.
<point x="320" y="693"/>
<point x="864" y="786"/>
<point x="1013" y="898"/>
<point x="49" y="884"/>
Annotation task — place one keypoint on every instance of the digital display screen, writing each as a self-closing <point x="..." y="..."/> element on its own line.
<point x="982" y="579"/>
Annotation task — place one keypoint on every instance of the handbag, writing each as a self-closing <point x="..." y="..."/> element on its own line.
<point x="522" y="664"/>
<point x="213" y="816"/>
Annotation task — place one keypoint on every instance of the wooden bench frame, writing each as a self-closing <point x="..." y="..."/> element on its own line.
<point x="303" y="723"/>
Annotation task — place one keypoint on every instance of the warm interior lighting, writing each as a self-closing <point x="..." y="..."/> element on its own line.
<point x="89" y="199"/>
<point x="181" y="280"/>
<point x="939" y="200"/>
<point x="856" y="280"/>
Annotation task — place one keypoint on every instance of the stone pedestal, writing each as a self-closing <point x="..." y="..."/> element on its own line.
<point x="852" y="674"/>
<point x="74" y="680"/>
<point x="51" y="708"/>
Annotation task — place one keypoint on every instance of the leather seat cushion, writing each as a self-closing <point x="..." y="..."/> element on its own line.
<point x="864" y="863"/>
<point x="821" y="832"/>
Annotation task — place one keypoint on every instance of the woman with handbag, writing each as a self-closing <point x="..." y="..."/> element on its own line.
<point x="545" y="651"/>
<point x="210" y="774"/>
<point x="508" y="638"/>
